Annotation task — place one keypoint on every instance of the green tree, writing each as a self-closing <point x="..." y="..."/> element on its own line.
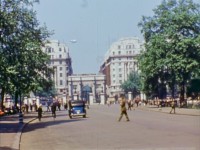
<point x="133" y="84"/>
<point x="22" y="61"/>
<point x="193" y="88"/>
<point x="172" y="39"/>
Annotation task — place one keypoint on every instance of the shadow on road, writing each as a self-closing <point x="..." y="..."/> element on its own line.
<point x="7" y="148"/>
<point x="40" y="124"/>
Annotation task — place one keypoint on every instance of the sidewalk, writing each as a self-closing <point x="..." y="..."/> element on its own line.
<point x="10" y="130"/>
<point x="179" y="111"/>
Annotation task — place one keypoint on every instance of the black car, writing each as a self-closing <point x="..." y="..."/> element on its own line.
<point x="77" y="108"/>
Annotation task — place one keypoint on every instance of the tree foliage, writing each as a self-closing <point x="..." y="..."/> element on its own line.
<point x="23" y="63"/>
<point x="133" y="84"/>
<point x="172" y="45"/>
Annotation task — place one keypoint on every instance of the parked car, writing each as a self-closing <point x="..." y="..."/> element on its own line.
<point x="77" y="108"/>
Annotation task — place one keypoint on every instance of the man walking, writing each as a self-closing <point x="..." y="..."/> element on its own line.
<point x="123" y="108"/>
<point x="173" y="105"/>
<point x="40" y="112"/>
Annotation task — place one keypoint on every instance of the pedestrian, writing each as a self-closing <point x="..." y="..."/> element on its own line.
<point x="173" y="105"/>
<point x="31" y="107"/>
<point x="53" y="110"/>
<point x="40" y="112"/>
<point x="129" y="105"/>
<point x="47" y="104"/>
<point x="123" y="108"/>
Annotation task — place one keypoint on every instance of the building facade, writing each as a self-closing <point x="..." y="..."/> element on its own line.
<point x="120" y="60"/>
<point x="61" y="63"/>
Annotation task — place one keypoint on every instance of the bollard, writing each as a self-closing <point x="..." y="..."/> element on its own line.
<point x="20" y="118"/>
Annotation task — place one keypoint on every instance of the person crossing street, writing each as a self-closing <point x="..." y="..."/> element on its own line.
<point x="123" y="108"/>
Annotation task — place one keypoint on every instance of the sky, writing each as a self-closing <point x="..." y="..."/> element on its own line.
<point x="94" y="24"/>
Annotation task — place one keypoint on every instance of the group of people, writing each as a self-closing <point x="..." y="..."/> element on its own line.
<point x="53" y="110"/>
<point x="130" y="104"/>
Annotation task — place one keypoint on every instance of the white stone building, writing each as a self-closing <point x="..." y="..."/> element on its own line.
<point x="119" y="61"/>
<point x="61" y="63"/>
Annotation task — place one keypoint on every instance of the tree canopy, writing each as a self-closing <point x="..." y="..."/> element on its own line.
<point x="133" y="84"/>
<point x="172" y="43"/>
<point x="23" y="63"/>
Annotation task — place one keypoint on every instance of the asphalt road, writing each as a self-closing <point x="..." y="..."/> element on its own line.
<point x="147" y="130"/>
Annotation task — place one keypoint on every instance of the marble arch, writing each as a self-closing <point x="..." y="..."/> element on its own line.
<point x="96" y="82"/>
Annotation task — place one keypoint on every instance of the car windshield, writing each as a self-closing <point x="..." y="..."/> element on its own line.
<point x="77" y="103"/>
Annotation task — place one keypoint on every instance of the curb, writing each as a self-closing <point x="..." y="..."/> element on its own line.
<point x="160" y="111"/>
<point x="17" y="139"/>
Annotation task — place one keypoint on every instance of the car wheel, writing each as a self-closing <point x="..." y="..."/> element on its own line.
<point x="70" y="117"/>
<point x="84" y="116"/>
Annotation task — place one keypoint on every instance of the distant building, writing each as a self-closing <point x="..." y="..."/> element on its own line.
<point x="119" y="61"/>
<point x="61" y="63"/>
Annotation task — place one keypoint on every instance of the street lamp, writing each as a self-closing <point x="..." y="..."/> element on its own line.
<point x="0" y="98"/>
<point x="20" y="104"/>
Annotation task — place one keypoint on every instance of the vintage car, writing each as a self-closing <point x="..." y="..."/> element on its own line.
<point x="77" y="108"/>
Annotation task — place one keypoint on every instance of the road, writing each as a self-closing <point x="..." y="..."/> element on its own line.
<point x="101" y="131"/>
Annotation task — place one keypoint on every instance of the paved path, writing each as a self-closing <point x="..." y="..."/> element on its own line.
<point x="147" y="130"/>
<point x="10" y="129"/>
<point x="179" y="111"/>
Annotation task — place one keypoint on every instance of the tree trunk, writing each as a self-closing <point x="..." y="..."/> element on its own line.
<point x="2" y="98"/>
<point x="16" y="97"/>
<point x="182" y="93"/>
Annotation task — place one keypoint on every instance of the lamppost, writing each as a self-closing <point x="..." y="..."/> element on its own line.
<point x="0" y="98"/>
<point x="20" y="103"/>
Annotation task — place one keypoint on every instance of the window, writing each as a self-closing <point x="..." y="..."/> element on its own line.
<point x="120" y="81"/>
<point x="60" y="56"/>
<point x="113" y="75"/>
<point x="120" y="75"/>
<point x="119" y="52"/>
<point x="119" y="64"/>
<point x="129" y="52"/>
<point x="113" y="69"/>
<point x="49" y="49"/>
<point x="60" y="49"/>
<point x="119" y="46"/>
<point x="60" y="74"/>
<point x="61" y="82"/>
<point x="113" y="81"/>
<point x="113" y="53"/>
<point x="60" y="68"/>
<point x="61" y="90"/>
<point x="120" y="69"/>
<point x="60" y="61"/>
<point x="129" y="46"/>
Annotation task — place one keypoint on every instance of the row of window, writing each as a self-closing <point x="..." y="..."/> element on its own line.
<point x="120" y="81"/>
<point x="52" y="56"/>
<point x="128" y="58"/>
<point x="127" y="46"/>
<point x="51" y="50"/>
<point x="60" y="62"/>
<point x="120" y="75"/>
<point x="127" y="52"/>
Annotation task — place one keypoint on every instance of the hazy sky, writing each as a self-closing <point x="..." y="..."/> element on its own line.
<point x="95" y="24"/>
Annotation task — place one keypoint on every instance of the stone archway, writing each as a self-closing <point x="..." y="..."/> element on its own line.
<point x="86" y="90"/>
<point x="94" y="87"/>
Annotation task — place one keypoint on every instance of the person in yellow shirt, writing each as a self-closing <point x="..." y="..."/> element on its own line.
<point x="123" y="108"/>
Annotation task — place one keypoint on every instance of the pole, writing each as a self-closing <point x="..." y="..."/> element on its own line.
<point x="20" y="109"/>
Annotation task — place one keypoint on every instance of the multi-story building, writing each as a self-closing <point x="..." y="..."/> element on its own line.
<point x="61" y="63"/>
<point x="119" y="61"/>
